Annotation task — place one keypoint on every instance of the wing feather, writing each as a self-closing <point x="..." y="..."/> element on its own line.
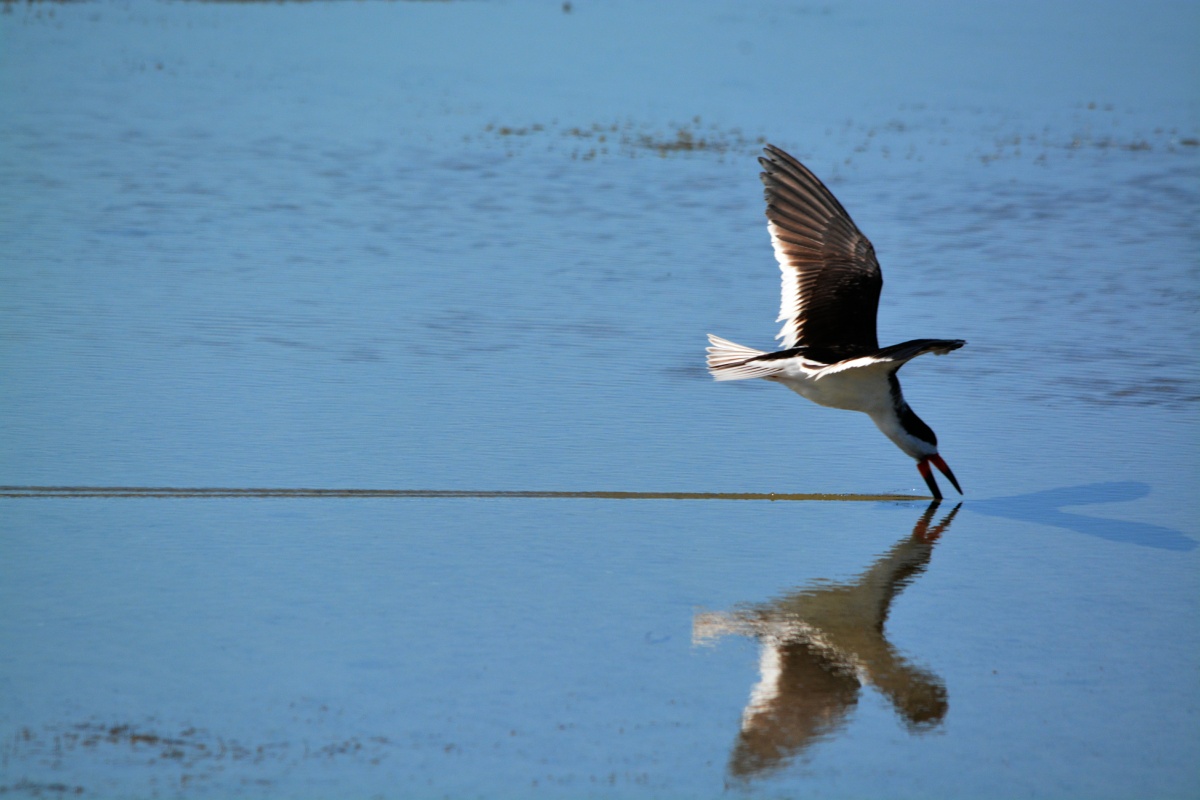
<point x="830" y="277"/>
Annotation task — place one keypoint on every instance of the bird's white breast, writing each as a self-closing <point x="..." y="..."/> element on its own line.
<point x="864" y="389"/>
<point x="861" y="385"/>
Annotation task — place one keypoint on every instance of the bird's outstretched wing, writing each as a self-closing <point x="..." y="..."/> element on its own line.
<point x="890" y="358"/>
<point x="831" y="279"/>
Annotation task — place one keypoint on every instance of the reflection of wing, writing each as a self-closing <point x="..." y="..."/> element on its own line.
<point x="831" y="279"/>
<point x="805" y="694"/>
<point x="819" y="646"/>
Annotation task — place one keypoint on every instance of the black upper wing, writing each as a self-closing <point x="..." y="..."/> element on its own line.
<point x="831" y="279"/>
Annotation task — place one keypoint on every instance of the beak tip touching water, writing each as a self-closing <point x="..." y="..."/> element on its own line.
<point x="927" y="474"/>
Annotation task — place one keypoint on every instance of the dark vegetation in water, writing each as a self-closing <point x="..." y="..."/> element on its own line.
<point x="191" y="759"/>
<point x="7" y="3"/>
<point x="199" y="755"/>
<point x="629" y="139"/>
<point x="907" y="136"/>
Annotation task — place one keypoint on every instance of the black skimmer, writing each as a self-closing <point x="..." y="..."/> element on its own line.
<point x="831" y="285"/>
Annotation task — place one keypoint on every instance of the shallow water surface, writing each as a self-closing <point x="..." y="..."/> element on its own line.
<point x="357" y="440"/>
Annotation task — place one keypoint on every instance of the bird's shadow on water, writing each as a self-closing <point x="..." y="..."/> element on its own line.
<point x="1046" y="508"/>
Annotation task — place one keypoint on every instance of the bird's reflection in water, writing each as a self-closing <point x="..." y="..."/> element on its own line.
<point x="819" y="646"/>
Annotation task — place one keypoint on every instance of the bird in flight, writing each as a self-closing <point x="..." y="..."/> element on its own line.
<point x="831" y="284"/>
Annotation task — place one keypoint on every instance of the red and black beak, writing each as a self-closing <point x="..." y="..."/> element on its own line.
<point x="927" y="474"/>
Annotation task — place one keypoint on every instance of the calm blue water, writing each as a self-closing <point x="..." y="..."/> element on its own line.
<point x="476" y="247"/>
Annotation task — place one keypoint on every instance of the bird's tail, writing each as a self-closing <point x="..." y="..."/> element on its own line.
<point x="728" y="361"/>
